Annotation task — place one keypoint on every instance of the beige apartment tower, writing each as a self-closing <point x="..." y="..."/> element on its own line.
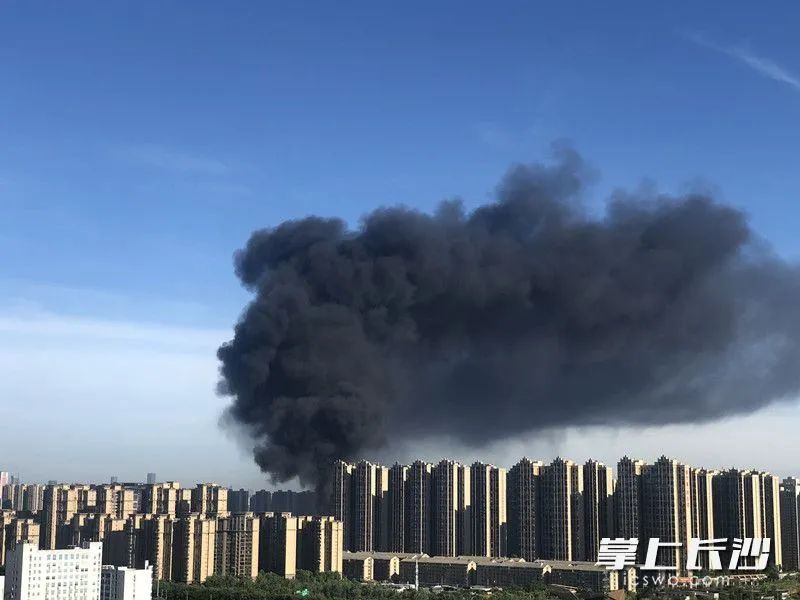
<point x="396" y="503"/>
<point x="193" y="547"/>
<point x="771" y="515"/>
<point x="628" y="498"/>
<point x="210" y="500"/>
<point x="319" y="544"/>
<point x="161" y="498"/>
<point x="488" y="505"/>
<point x="598" y="506"/>
<point x="237" y="542"/>
<point x="737" y="504"/>
<point x="663" y="485"/>
<point x="277" y="548"/>
<point x="418" y="508"/>
<point x="561" y="511"/>
<point x="114" y="500"/>
<point x="342" y="483"/>
<point x="59" y="505"/>
<point x="445" y="508"/>
<point x="464" y="514"/>
<point x="523" y="509"/>
<point x="369" y="523"/>
<point x="155" y="545"/>
<point x="14" y="531"/>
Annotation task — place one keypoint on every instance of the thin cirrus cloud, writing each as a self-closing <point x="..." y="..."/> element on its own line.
<point x="169" y="159"/>
<point x="761" y="65"/>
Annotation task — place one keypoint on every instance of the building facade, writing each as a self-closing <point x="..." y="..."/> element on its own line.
<point x="72" y="573"/>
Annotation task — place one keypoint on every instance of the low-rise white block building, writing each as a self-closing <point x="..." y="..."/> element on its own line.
<point x="71" y="574"/>
<point x="122" y="583"/>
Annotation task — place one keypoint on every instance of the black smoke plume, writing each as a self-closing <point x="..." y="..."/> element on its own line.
<point x="527" y="313"/>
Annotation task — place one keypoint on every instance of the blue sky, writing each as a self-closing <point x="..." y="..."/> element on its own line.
<point x="141" y="142"/>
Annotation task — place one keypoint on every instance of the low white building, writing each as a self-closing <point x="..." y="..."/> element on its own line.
<point x="71" y="574"/>
<point x="122" y="583"/>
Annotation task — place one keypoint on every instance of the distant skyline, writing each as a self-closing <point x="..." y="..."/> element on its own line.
<point x="141" y="144"/>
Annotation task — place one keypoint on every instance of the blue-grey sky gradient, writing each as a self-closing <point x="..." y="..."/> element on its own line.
<point x="140" y="143"/>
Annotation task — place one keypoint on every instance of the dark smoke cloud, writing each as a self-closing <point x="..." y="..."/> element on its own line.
<point x="527" y="313"/>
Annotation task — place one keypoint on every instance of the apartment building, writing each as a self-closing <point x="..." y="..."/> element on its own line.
<point x="598" y="506"/>
<point x="193" y="548"/>
<point x="523" y="509"/>
<point x="237" y="542"/>
<point x="561" y="500"/>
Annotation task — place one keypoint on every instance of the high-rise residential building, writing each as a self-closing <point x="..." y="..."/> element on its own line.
<point x="210" y="500"/>
<point x="277" y="548"/>
<point x="183" y="501"/>
<point x="382" y="509"/>
<point x="488" y="506"/>
<point x="17" y="530"/>
<point x="561" y="511"/>
<point x="59" y="504"/>
<point x="87" y="497"/>
<point x="628" y="498"/>
<point x="790" y="523"/>
<point x="523" y="509"/>
<point x="396" y="508"/>
<point x="261" y="502"/>
<point x="288" y="543"/>
<point x="738" y="507"/>
<point x="32" y="497"/>
<point x="125" y="583"/>
<point x="418" y="508"/>
<point x="703" y="492"/>
<point x="445" y="508"/>
<point x="341" y="485"/>
<point x="363" y="507"/>
<point x="687" y="504"/>
<point x="664" y="509"/>
<point x="193" y="546"/>
<point x="319" y="544"/>
<point x="598" y="506"/>
<point x="12" y="496"/>
<point x="237" y="542"/>
<point x="304" y="502"/>
<point x="6" y="516"/>
<point x="151" y="478"/>
<point x="737" y="504"/>
<point x="115" y="500"/>
<point x="118" y="535"/>
<point x="700" y="520"/>
<point x="155" y="545"/>
<point x="161" y="498"/>
<point x="239" y="501"/>
<point x="480" y="503"/>
<point x="771" y="515"/>
<point x="72" y="573"/>
<point x="464" y="514"/>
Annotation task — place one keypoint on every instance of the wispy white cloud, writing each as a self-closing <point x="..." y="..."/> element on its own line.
<point x="171" y="159"/>
<point x="761" y="65"/>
